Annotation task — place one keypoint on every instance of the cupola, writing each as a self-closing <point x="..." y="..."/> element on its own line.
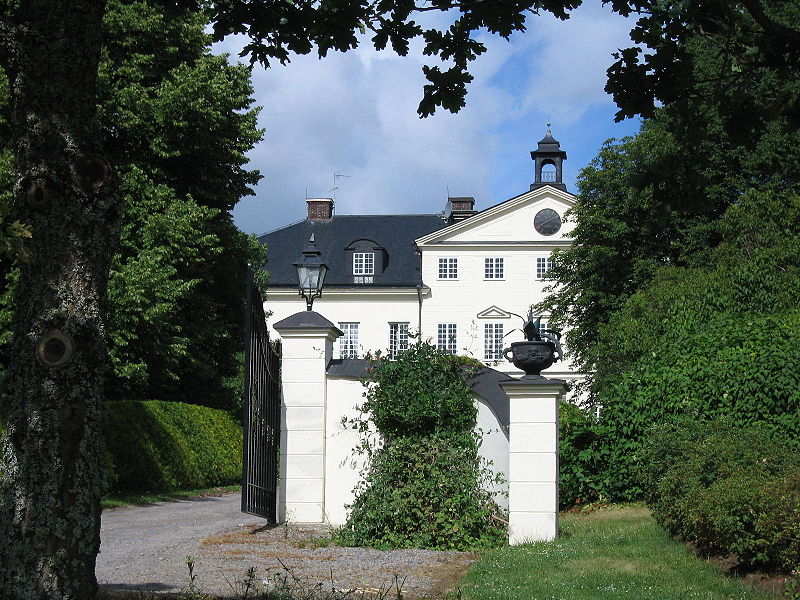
<point x="548" y="159"/>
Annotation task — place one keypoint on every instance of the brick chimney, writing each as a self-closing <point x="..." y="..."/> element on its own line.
<point x="319" y="209"/>
<point x="460" y="208"/>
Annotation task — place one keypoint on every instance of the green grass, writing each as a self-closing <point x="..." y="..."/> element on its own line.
<point x="618" y="552"/>
<point x="119" y="500"/>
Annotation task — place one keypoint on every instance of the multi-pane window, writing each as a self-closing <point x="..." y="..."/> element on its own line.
<point x="446" y="337"/>
<point x="348" y="343"/>
<point x="492" y="268"/>
<point x="363" y="263"/>
<point x="398" y="338"/>
<point x="448" y="268"/>
<point x="542" y="266"/>
<point x="492" y="341"/>
<point x="542" y="325"/>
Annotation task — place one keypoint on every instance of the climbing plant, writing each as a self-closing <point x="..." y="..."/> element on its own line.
<point x="425" y="485"/>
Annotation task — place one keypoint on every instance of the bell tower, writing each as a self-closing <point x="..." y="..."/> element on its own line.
<point x="547" y="163"/>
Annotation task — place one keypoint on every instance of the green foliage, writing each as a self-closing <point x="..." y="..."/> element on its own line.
<point x="708" y="341"/>
<point x="726" y="489"/>
<point x="163" y="446"/>
<point x="624" y="232"/>
<point x="420" y="393"/>
<point x="178" y="123"/>
<point x="424" y="493"/>
<point x="578" y="456"/>
<point x="750" y="42"/>
<point x="657" y="199"/>
<point x="425" y="485"/>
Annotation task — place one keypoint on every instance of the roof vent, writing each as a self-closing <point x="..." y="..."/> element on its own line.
<point x="319" y="209"/>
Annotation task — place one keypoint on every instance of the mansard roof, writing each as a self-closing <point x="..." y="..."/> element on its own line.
<point x="395" y="234"/>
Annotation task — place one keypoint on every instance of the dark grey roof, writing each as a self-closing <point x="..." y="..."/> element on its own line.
<point x="305" y="320"/>
<point x="549" y="145"/>
<point x="348" y="367"/>
<point x="485" y="383"/>
<point x="394" y="233"/>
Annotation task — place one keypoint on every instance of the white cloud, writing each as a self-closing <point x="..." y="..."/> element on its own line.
<point x="355" y="114"/>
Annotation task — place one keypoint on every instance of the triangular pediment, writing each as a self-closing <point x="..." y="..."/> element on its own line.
<point x="509" y="221"/>
<point x="494" y="312"/>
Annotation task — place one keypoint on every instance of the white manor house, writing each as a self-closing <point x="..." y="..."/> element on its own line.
<point x="462" y="278"/>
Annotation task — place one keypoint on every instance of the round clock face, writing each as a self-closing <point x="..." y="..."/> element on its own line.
<point x="547" y="221"/>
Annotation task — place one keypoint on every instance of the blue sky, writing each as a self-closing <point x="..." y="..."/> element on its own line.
<point x="355" y="114"/>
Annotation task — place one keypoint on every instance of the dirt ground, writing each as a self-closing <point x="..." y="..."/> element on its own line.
<point x="149" y="548"/>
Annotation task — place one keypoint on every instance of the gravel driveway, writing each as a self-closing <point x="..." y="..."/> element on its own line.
<point x="146" y="548"/>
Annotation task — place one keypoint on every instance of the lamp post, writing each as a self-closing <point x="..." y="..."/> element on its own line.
<point x="311" y="272"/>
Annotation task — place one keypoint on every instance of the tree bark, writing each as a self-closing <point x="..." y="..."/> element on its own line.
<point x="52" y="405"/>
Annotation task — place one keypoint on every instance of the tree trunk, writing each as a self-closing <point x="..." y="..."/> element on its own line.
<point x="50" y="505"/>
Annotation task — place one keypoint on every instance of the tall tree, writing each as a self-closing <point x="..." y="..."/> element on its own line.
<point x="657" y="199"/>
<point x="180" y="122"/>
<point x="175" y="302"/>
<point x="66" y="190"/>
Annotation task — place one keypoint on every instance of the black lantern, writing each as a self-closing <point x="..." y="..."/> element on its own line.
<point x="311" y="272"/>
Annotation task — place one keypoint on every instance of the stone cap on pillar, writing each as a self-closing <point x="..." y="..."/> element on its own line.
<point x="538" y="386"/>
<point x="305" y="320"/>
<point x="511" y="381"/>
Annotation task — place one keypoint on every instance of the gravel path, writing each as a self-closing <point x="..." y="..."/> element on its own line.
<point x="146" y="547"/>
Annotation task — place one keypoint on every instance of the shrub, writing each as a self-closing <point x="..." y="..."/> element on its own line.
<point x="726" y="489"/>
<point x="421" y="392"/>
<point x="779" y="523"/>
<point x="426" y="486"/>
<point x="577" y="457"/>
<point x="742" y="368"/>
<point x="425" y="494"/>
<point x="162" y="446"/>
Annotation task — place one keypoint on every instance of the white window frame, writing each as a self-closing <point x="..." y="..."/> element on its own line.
<point x="493" y="268"/>
<point x="348" y="343"/>
<point x="363" y="263"/>
<point x="543" y="325"/>
<point x="493" y="341"/>
<point x="543" y="265"/>
<point x="448" y="267"/>
<point x="447" y="337"/>
<point x="398" y="339"/>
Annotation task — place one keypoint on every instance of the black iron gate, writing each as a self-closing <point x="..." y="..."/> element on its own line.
<point x="262" y="399"/>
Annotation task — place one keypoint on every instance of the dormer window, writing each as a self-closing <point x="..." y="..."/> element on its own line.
<point x="367" y="260"/>
<point x="363" y="263"/>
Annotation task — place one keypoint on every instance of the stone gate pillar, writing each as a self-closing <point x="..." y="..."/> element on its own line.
<point x="307" y="344"/>
<point x="533" y="458"/>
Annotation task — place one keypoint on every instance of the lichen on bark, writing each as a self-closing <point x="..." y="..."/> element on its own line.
<point x="50" y="482"/>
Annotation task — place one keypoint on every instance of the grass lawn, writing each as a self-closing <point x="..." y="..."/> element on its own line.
<point x="617" y="552"/>
<point x="118" y="500"/>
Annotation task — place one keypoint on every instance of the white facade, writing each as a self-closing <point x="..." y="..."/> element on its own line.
<point x="499" y="257"/>
<point x="481" y="294"/>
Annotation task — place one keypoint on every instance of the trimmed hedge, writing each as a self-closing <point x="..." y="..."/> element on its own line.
<point x="727" y="489"/>
<point x="153" y="445"/>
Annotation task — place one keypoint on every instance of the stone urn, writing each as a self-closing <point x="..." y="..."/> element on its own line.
<point x="531" y="356"/>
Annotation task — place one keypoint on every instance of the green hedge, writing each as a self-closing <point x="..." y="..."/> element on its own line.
<point x="163" y="446"/>
<point x="727" y="489"/>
